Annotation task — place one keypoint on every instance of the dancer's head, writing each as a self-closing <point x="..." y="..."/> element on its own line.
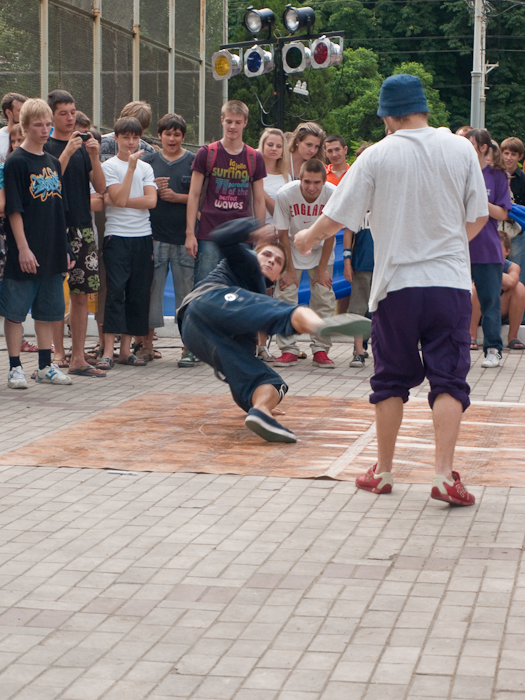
<point x="272" y="259"/>
<point x="402" y="102"/>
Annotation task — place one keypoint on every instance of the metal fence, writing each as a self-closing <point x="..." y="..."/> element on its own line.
<point x="109" y="52"/>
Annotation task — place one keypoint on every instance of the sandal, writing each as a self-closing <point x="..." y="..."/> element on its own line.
<point x="302" y="355"/>
<point x="105" y="363"/>
<point x="28" y="346"/>
<point x="132" y="360"/>
<point x="61" y="362"/>
<point x="96" y="353"/>
<point x="264" y="355"/>
<point x="86" y="371"/>
<point x="474" y="344"/>
<point x="516" y="344"/>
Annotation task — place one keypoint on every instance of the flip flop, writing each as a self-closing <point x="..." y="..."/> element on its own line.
<point x="61" y="362"/>
<point x="86" y="371"/>
<point x="516" y="344"/>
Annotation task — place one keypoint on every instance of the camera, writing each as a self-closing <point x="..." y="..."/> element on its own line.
<point x="85" y="137"/>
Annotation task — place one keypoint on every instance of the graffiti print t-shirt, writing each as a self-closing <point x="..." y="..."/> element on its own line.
<point x="33" y="187"/>
<point x="228" y="192"/>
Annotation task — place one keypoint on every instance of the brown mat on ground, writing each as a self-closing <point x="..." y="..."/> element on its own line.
<point x="165" y="432"/>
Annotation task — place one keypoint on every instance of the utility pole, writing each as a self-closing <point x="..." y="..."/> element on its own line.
<point x="480" y="69"/>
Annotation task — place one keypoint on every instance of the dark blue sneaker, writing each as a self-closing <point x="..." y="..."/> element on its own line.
<point x="268" y="428"/>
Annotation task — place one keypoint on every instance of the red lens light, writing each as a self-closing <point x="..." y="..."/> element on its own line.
<point x="321" y="53"/>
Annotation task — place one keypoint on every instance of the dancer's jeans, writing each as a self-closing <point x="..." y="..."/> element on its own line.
<point x="487" y="278"/>
<point x="221" y="327"/>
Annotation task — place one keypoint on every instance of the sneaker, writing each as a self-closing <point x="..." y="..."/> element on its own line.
<point x="492" y="358"/>
<point x="268" y="428"/>
<point x="16" y="379"/>
<point x="357" y="361"/>
<point x="321" y="359"/>
<point x="451" y="491"/>
<point x="376" y="483"/>
<point x="187" y="360"/>
<point x="345" y="324"/>
<point x="286" y="359"/>
<point x="52" y="375"/>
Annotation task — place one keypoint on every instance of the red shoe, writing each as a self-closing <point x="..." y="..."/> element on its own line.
<point x="286" y="359"/>
<point x="376" y="483"/>
<point x="321" y="359"/>
<point x="451" y="491"/>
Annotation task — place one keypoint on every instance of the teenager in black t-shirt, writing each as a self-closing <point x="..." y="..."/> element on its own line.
<point x="172" y="168"/>
<point x="37" y="253"/>
<point x="81" y="167"/>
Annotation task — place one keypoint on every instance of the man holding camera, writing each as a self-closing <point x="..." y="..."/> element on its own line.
<point x="79" y="158"/>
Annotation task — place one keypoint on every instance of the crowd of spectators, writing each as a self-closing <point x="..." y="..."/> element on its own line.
<point x="92" y="223"/>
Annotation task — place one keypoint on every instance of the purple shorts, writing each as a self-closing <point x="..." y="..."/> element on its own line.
<point x="439" y="318"/>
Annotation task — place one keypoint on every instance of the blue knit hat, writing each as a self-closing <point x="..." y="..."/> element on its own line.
<point x="401" y="95"/>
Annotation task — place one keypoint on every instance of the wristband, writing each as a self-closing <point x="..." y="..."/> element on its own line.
<point x="347" y="253"/>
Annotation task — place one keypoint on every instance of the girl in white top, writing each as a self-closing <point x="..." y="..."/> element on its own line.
<point x="307" y="142"/>
<point x="274" y="150"/>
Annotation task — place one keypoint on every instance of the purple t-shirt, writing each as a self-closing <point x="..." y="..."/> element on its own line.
<point x="228" y="192"/>
<point x="486" y="247"/>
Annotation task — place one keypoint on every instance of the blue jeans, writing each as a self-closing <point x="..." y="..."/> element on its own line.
<point x="220" y="328"/>
<point x="208" y="257"/>
<point x="182" y="265"/>
<point x="487" y="278"/>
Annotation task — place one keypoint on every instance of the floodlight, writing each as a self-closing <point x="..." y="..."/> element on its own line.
<point x="257" y="62"/>
<point x="295" y="18"/>
<point x="296" y="57"/>
<point x="225" y="65"/>
<point x="256" y="20"/>
<point x="325" y="53"/>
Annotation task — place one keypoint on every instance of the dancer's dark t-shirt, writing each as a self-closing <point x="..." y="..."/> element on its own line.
<point x="238" y="268"/>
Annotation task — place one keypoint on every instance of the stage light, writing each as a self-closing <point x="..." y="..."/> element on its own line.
<point x="296" y="57"/>
<point x="325" y="53"/>
<point x="295" y="18"/>
<point x="225" y="65"/>
<point x="257" y="62"/>
<point x="256" y="20"/>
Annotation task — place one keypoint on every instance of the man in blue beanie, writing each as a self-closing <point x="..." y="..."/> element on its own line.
<point x="427" y="199"/>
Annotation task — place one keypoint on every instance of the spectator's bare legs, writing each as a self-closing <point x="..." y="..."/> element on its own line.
<point x="389" y="414"/>
<point x="44" y="334"/>
<point x="358" y="345"/>
<point x="58" y="340"/>
<point x="13" y="337"/>
<point x="513" y="306"/>
<point x="476" y="314"/>
<point x="125" y="345"/>
<point x="446" y="414"/>
<point x="342" y="305"/>
<point x="147" y="340"/>
<point x="78" y="318"/>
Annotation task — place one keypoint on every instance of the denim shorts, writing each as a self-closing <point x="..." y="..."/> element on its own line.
<point x="44" y="296"/>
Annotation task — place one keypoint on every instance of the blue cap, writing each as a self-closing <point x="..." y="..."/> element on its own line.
<point x="401" y="95"/>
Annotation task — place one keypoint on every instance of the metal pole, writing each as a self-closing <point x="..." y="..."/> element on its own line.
<point x="225" y="41"/>
<point x="136" y="49"/>
<point x="482" y="97"/>
<point x="97" y="63"/>
<point x="477" y="68"/>
<point x="171" y="58"/>
<point x="44" y="48"/>
<point x="279" y="86"/>
<point x="202" y="74"/>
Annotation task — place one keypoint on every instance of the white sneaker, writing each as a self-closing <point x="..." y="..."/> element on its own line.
<point x="492" y="358"/>
<point x="52" y="375"/>
<point x="16" y="379"/>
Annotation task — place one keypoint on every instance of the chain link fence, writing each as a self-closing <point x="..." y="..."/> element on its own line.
<point x="135" y="57"/>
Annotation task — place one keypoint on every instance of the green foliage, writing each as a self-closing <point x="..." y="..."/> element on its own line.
<point x="430" y="39"/>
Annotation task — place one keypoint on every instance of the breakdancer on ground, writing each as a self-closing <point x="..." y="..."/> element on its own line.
<point x="220" y="318"/>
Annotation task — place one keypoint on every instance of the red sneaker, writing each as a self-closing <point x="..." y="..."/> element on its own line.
<point x="451" y="491"/>
<point x="286" y="359"/>
<point x="321" y="359"/>
<point x="376" y="483"/>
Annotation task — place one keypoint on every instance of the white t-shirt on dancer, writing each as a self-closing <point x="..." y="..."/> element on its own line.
<point x="124" y="221"/>
<point x="428" y="184"/>
<point x="294" y="213"/>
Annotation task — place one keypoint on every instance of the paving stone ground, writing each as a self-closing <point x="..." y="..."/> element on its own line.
<point x="219" y="587"/>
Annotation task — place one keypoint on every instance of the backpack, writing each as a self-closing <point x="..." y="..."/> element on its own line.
<point x="210" y="162"/>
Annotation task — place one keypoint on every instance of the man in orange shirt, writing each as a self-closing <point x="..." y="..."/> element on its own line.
<point x="336" y="150"/>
